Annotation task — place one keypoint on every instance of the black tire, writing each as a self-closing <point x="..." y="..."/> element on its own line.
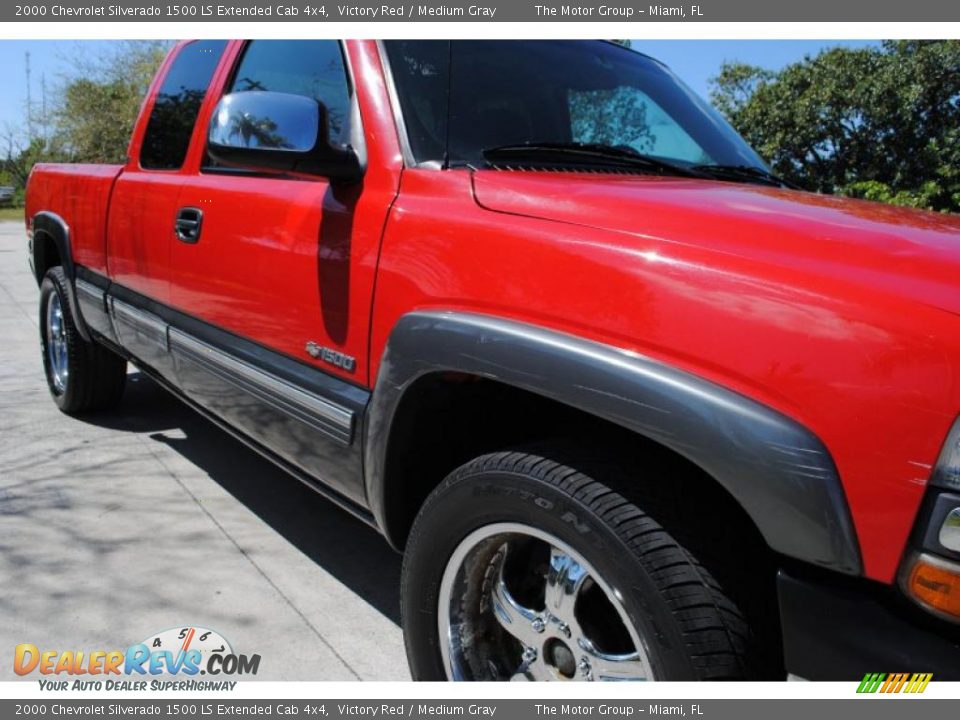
<point x="96" y="376"/>
<point x="692" y="630"/>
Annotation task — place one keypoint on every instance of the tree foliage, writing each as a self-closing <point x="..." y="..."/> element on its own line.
<point x="99" y="103"/>
<point x="92" y="117"/>
<point x="881" y="123"/>
<point x="15" y="168"/>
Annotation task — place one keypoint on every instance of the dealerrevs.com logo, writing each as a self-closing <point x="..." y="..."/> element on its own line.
<point x="183" y="651"/>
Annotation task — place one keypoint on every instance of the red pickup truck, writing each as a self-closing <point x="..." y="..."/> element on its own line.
<point x="632" y="406"/>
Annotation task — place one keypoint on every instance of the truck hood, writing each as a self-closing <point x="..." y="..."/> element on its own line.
<point x="898" y="250"/>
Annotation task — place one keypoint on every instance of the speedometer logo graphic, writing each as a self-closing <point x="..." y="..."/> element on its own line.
<point x="179" y="641"/>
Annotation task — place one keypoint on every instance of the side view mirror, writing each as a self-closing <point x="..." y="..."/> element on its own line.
<point x="261" y="130"/>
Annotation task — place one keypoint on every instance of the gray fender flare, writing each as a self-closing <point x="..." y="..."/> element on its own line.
<point x="776" y="469"/>
<point x="55" y="227"/>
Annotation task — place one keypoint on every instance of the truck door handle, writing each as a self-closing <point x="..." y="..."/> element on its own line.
<point x="188" y="224"/>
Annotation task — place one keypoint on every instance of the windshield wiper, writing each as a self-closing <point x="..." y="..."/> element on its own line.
<point x="585" y="154"/>
<point x="748" y="173"/>
<point x="593" y="154"/>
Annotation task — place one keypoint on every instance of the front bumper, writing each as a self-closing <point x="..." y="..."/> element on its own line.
<point x="839" y="630"/>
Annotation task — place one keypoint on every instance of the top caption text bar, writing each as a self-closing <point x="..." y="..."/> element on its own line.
<point x="319" y="11"/>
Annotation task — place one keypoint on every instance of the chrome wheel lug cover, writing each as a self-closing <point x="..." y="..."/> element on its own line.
<point x="528" y="580"/>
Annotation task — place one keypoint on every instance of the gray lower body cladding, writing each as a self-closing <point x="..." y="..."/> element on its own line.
<point x="304" y="417"/>
<point x="778" y="470"/>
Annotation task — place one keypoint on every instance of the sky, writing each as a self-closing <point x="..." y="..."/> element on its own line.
<point x="695" y="61"/>
<point x="49" y="61"/>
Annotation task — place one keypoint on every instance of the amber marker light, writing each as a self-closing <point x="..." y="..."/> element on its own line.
<point x="935" y="584"/>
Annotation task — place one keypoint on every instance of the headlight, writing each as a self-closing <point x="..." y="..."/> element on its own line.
<point x="946" y="472"/>
<point x="930" y="575"/>
<point x="950" y="530"/>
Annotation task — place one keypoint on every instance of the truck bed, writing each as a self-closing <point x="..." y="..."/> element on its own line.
<point x="80" y="194"/>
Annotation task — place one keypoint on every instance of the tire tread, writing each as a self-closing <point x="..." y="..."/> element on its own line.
<point x="97" y="374"/>
<point x="714" y="631"/>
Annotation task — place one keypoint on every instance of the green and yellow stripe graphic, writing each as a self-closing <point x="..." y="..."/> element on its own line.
<point x="894" y="682"/>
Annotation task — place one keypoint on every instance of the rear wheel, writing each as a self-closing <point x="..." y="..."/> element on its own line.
<point x="82" y="376"/>
<point x="519" y="567"/>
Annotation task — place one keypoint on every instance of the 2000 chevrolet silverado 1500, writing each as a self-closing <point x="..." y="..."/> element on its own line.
<point x="632" y="407"/>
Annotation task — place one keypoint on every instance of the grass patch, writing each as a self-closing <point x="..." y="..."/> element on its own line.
<point x="11" y="213"/>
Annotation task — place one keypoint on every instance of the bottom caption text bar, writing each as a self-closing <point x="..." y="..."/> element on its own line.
<point x="786" y="709"/>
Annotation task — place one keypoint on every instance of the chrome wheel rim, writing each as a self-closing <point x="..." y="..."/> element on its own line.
<point x="57" y="345"/>
<point x="517" y="603"/>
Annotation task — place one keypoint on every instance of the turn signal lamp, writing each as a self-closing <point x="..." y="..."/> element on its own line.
<point x="935" y="584"/>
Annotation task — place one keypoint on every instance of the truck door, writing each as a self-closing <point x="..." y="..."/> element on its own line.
<point x="285" y="265"/>
<point x="144" y="198"/>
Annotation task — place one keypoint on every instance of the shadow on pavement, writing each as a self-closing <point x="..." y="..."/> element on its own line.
<point x="349" y="550"/>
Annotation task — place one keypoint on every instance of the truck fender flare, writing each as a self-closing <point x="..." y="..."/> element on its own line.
<point x="776" y="469"/>
<point x="55" y="227"/>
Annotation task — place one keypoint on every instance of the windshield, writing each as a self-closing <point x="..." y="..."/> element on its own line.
<point x="462" y="98"/>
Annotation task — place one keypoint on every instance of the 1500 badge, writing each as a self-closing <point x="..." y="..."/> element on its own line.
<point x="331" y="357"/>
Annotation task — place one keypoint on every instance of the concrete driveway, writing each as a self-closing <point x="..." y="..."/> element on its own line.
<point x="120" y="525"/>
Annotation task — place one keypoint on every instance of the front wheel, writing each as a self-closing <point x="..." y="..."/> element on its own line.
<point x="522" y="568"/>
<point x="81" y="375"/>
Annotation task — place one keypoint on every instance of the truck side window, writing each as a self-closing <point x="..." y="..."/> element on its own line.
<point x="313" y="68"/>
<point x="177" y="105"/>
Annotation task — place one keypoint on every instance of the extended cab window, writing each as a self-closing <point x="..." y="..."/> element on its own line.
<point x="312" y="68"/>
<point x="178" y="102"/>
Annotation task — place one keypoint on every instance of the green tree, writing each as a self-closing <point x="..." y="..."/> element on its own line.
<point x="882" y="123"/>
<point x="100" y="100"/>
<point x="94" y="108"/>
<point x="17" y="165"/>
